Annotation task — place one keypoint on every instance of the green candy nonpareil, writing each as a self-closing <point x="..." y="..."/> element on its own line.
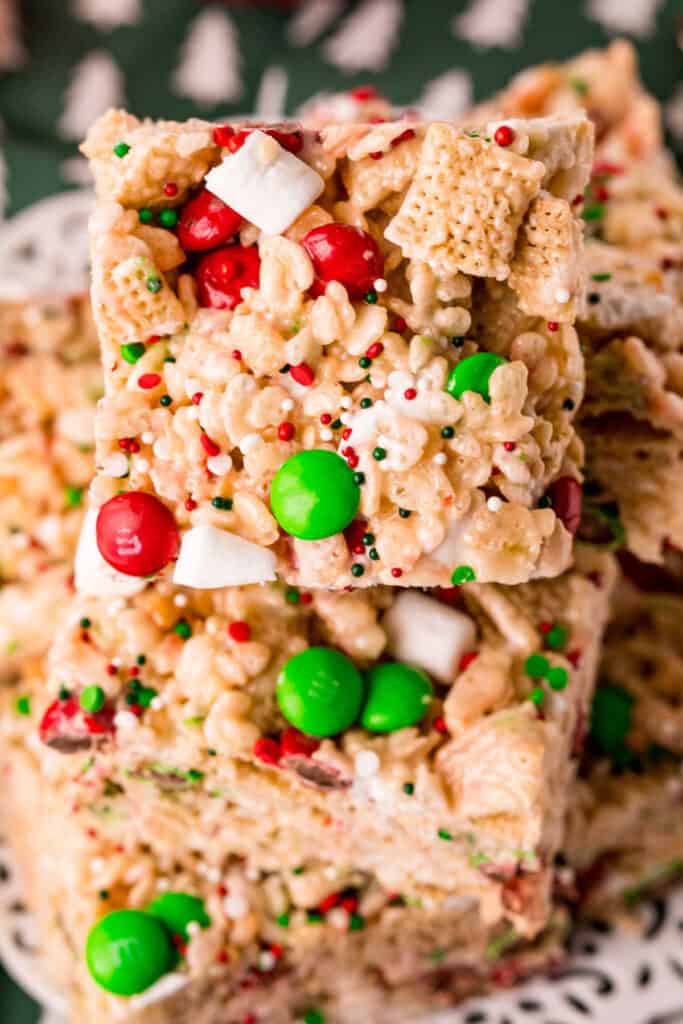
<point x="128" y="951"/>
<point x="474" y="374"/>
<point x="177" y="910"/>
<point x="314" y="495"/>
<point x="398" y="696"/>
<point x="320" y="691"/>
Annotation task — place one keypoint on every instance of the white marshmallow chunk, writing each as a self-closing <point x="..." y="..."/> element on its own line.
<point x="211" y="558"/>
<point x="265" y="183"/>
<point x="94" y="576"/>
<point x="429" y="635"/>
<point x="162" y="989"/>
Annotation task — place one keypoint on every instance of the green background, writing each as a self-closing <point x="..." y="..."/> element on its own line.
<point x="32" y="98"/>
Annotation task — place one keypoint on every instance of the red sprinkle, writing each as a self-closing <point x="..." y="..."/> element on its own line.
<point x="111" y="670"/>
<point x="603" y="167"/>
<point x="410" y="394"/>
<point x="240" y="631"/>
<point x="359" y="549"/>
<point x="305" y="598"/>
<point x="236" y="354"/>
<point x="190" y="504"/>
<point x="363" y="93"/>
<point x="375" y="350"/>
<point x="466" y="660"/>
<point x="601" y="193"/>
<point x="352" y="460"/>
<point x="267" y="750"/>
<point x="276" y="950"/>
<point x="296" y="744"/>
<point x="147" y="381"/>
<point x="170" y="189"/>
<point x="440" y="725"/>
<point x="134" y="671"/>
<point x="329" y="902"/>
<point x="545" y="627"/>
<point x="577" y="200"/>
<point x="153" y="339"/>
<point x="574" y="658"/>
<point x="302" y="374"/>
<point x="325" y="419"/>
<point x="403" y="137"/>
<point x="509" y="446"/>
<point x="346" y="433"/>
<point x="197" y="397"/>
<point x="397" y="573"/>
<point x="504" y="135"/>
<point x="399" y="325"/>
<point x="377" y="155"/>
<point x="222" y="133"/>
<point x="350" y="904"/>
<point x="348" y="450"/>
<point x="662" y="213"/>
<point x="209" y="446"/>
<point x="553" y="326"/>
<point x="285" y="431"/>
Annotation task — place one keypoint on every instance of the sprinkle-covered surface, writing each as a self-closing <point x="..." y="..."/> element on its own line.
<point x="357" y="318"/>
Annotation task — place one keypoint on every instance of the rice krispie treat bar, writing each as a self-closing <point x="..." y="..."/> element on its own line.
<point x="49" y="384"/>
<point x="222" y="942"/>
<point x="625" y="834"/>
<point x="302" y="368"/>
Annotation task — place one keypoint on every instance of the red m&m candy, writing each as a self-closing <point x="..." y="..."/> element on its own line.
<point x="136" y="534"/>
<point x="345" y="254"/>
<point x="66" y="727"/>
<point x="206" y="222"/>
<point x="221" y="275"/>
<point x="567" y="500"/>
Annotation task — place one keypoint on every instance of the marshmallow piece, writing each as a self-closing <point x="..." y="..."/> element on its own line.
<point x="211" y="558"/>
<point x="452" y="550"/>
<point x="92" y="575"/>
<point x="428" y="634"/>
<point x="162" y="989"/>
<point x="265" y="183"/>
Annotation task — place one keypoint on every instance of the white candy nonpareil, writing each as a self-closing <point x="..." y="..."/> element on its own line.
<point x="210" y="558"/>
<point x="92" y="575"/>
<point x="265" y="183"/>
<point x="428" y="634"/>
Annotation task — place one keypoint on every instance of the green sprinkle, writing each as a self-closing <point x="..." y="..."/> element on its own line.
<point x="594" y="211"/>
<point x="579" y="85"/>
<point x="103" y="894"/>
<point x="368" y="538"/>
<point x="314" y="916"/>
<point x="153" y="285"/>
<point x="165" y="400"/>
<point x="379" y="454"/>
<point x="359" y="478"/>
<point x="497" y="946"/>
<point x="292" y="595"/>
<point x="298" y="871"/>
<point x="557" y="677"/>
<point x="168" y="218"/>
<point x="365" y="403"/>
<point x="357" y="569"/>
<point x="443" y="833"/>
<point x="371" y="297"/>
<point x="283" y="920"/>
<point x="408" y="788"/>
<point x="73" y="496"/>
<point x="296" y="327"/>
<point x="556" y="637"/>
<point x="356" y="923"/>
<point x="537" y="695"/>
<point x="194" y="721"/>
<point x="568" y="403"/>
<point x="364" y="362"/>
<point x="478" y="858"/>
<point x="373" y="553"/>
<point x="223" y="503"/>
<point x="463" y="574"/>
<point x="141" y="659"/>
<point x="601" y="277"/>
<point x="183" y="629"/>
<point x="22" y="705"/>
<point x="132" y="351"/>
<point x="458" y="341"/>
<point x="121" y="149"/>
<point x="92" y="698"/>
<point x="448" y="432"/>
<point x="404" y="513"/>
<point x="536" y="666"/>
<point x="313" y="1017"/>
<point x="437" y="955"/>
<point x="85" y="623"/>
<point x="64" y="694"/>
<point x="145" y="214"/>
<point x="146" y="695"/>
<point x="336" y="424"/>
<point x="545" y="502"/>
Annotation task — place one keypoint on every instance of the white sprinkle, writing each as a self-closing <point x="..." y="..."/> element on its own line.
<point x="248" y="442"/>
<point x="266" y="961"/>
<point x="383" y="440"/>
<point x="366" y="763"/>
<point x="142" y="465"/>
<point x="116" y="662"/>
<point x="235" y="906"/>
<point x="326" y="434"/>
<point x="441" y="458"/>
<point x="219" y="465"/>
<point x="115" y="464"/>
<point x="97" y="864"/>
<point x="338" y="918"/>
<point x="287" y="404"/>
<point x="494" y="504"/>
<point x="126" y="721"/>
<point x="180" y="600"/>
<point x="147" y="437"/>
<point x="193" y="928"/>
<point x="380" y="285"/>
<point x="346" y="418"/>
<point x="160" y="449"/>
<point x="562" y="295"/>
<point x="156" y="704"/>
<point x="346" y="402"/>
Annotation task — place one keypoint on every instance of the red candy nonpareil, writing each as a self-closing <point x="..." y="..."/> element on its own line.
<point x="290" y="140"/>
<point x="136" y="534"/>
<point x="566" y="497"/>
<point x="296" y="744"/>
<point x="221" y="275"/>
<point x="345" y="254"/>
<point x="66" y="727"/>
<point x="206" y="222"/>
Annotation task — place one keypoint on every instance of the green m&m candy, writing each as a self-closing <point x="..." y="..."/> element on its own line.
<point x="128" y="951"/>
<point x="177" y="910"/>
<point x="314" y="495"/>
<point x="398" y="696"/>
<point x="611" y="721"/>
<point x="474" y="374"/>
<point x="320" y="691"/>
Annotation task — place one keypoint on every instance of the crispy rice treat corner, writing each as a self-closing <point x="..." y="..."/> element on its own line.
<point x="300" y="348"/>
